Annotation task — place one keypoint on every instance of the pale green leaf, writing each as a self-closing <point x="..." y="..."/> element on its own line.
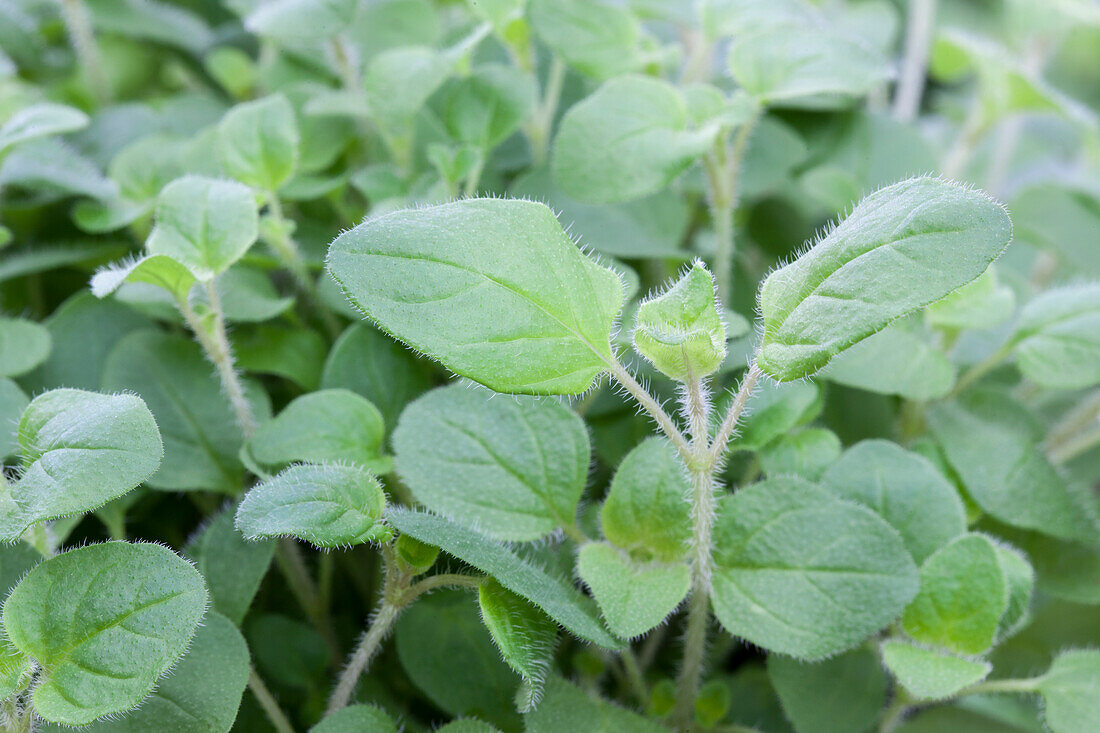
<point x="328" y="505"/>
<point x="629" y="139"/>
<point x="559" y="599"/>
<point x="894" y="361"/>
<point x="837" y="695"/>
<point x="39" y="120"/>
<point x="901" y="248"/>
<point x="492" y="288"/>
<point x="104" y="622"/>
<point x="805" y="453"/>
<point x="160" y="270"/>
<point x="646" y="511"/>
<point x="1071" y="691"/>
<point x="680" y="330"/>
<point x="596" y="38"/>
<point x="984" y="303"/>
<point x="12" y="403"/>
<point x="328" y="425"/>
<point x="905" y="489"/>
<point x="1058" y="337"/>
<point x="258" y="141"/>
<point x="804" y="574"/>
<point x="962" y="596"/>
<point x="566" y="707"/>
<point x="1020" y="582"/>
<point x="524" y="635"/>
<point x="931" y="675"/>
<point x="1003" y="469"/>
<point x="301" y="19"/>
<point x="514" y="468"/>
<point x="773" y="409"/>
<point x="634" y="596"/>
<point x="204" y="224"/>
<point x="805" y="66"/>
<point x="488" y="105"/>
<point x="80" y="450"/>
<point x="24" y="345"/>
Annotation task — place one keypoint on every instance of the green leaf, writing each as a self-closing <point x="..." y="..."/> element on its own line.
<point x="646" y="511"/>
<point x="524" y="635"/>
<point x="634" y="596"/>
<point x="356" y="719"/>
<point x="160" y="270"/>
<point x="680" y="330"/>
<point x="200" y="695"/>
<point x="201" y="438"/>
<point x="773" y="409"/>
<point x="1058" y="337"/>
<point x="248" y="296"/>
<point x="1020" y="582"/>
<point x="629" y="139"/>
<point x="982" y="304"/>
<point x="962" y="596"/>
<point x="12" y="403"/>
<point x="905" y="489"/>
<point x="39" y="120"/>
<point x="901" y="248"/>
<point x="399" y="81"/>
<point x="806" y="454"/>
<point x="366" y="361"/>
<point x="515" y="468"/>
<point x="258" y="140"/>
<point x="559" y="599"/>
<point x="104" y="622"/>
<point x="1071" y="691"/>
<point x="594" y="37"/>
<point x="204" y="224"/>
<point x="288" y="652"/>
<point x="894" y="361"/>
<point x="328" y="425"/>
<point x="986" y="439"/>
<point x="931" y="675"/>
<point x="301" y="19"/>
<point x="492" y="288"/>
<point x="232" y="567"/>
<point x="487" y="106"/>
<point x="292" y="352"/>
<point x="24" y="345"/>
<point x="329" y="505"/>
<point x="566" y="707"/>
<point x="447" y="653"/>
<point x="802" y="573"/>
<point x="838" y="695"/>
<point x="812" y="67"/>
<point x="80" y="450"/>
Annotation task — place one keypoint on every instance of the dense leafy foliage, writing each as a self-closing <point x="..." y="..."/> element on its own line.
<point x="483" y="366"/>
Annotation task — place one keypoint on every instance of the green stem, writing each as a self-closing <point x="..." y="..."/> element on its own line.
<point x="651" y="406"/>
<point x="292" y="565"/>
<point x="1017" y="686"/>
<point x="959" y="155"/>
<point x="894" y="712"/>
<point x="982" y="368"/>
<point x="728" y="428"/>
<point x="634" y="676"/>
<point x="1070" y="449"/>
<point x="723" y="168"/>
<point x="78" y="24"/>
<point x="291" y="256"/>
<point x="542" y="122"/>
<point x="397" y="594"/>
<point x="918" y="37"/>
<point x="215" y="342"/>
<point x="696" y="409"/>
<point x="1080" y="418"/>
<point x="267" y="701"/>
<point x="470" y="188"/>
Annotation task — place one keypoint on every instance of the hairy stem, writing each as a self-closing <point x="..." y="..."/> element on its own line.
<point x="542" y="122"/>
<point x="634" y="676"/>
<point x="215" y="343"/>
<point x="1081" y="417"/>
<point x="1070" y="449"/>
<point x="728" y="428"/>
<point x="651" y="406"/>
<point x="268" y="702"/>
<point x="701" y="467"/>
<point x="723" y="168"/>
<point x="78" y="24"/>
<point x="918" y="38"/>
<point x="979" y="370"/>
<point x="894" y="712"/>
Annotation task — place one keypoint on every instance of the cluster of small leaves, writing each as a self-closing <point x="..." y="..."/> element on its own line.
<point x="550" y="366"/>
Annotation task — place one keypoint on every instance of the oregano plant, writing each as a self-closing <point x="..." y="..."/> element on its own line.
<point x="548" y="366"/>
